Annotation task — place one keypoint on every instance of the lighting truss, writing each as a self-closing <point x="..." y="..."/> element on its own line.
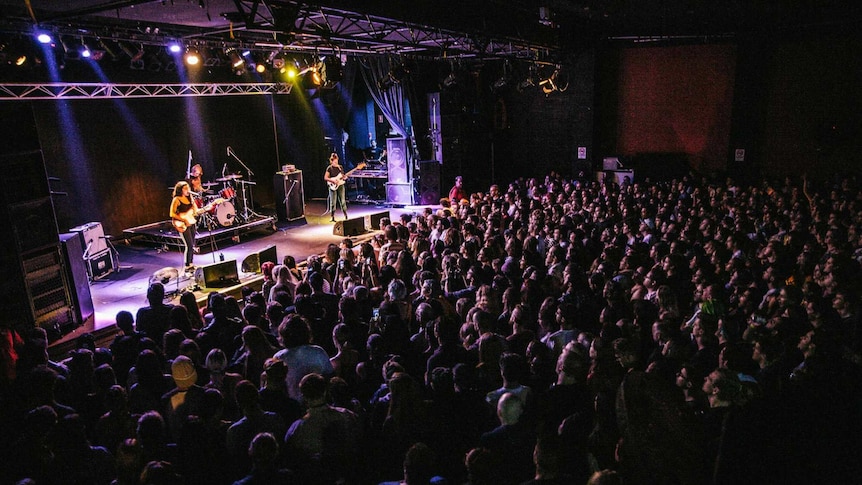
<point x="45" y="91"/>
<point x="318" y="29"/>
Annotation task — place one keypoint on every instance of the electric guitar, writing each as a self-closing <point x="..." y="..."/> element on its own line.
<point x="340" y="179"/>
<point x="188" y="218"/>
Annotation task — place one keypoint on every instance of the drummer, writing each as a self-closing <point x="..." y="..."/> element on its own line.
<point x="195" y="175"/>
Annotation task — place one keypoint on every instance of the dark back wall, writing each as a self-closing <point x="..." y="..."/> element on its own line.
<point x="119" y="159"/>
<point x="792" y="103"/>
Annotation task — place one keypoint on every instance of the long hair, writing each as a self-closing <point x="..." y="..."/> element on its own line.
<point x="178" y="188"/>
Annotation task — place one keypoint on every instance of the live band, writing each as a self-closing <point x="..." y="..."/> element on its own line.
<point x="205" y="205"/>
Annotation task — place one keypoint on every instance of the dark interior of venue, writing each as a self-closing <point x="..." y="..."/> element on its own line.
<point x="472" y="242"/>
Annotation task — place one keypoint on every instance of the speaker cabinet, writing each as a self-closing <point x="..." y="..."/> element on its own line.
<point x="396" y="158"/>
<point x="429" y="182"/>
<point x="399" y="194"/>
<point x="33" y="290"/>
<point x="77" y="277"/>
<point x="372" y="221"/>
<point x="92" y="238"/>
<point x="350" y="227"/>
<point x="289" y="195"/>
<point x="217" y="275"/>
<point x="252" y="262"/>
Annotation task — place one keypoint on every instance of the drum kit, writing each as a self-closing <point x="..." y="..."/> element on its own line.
<point x="236" y="194"/>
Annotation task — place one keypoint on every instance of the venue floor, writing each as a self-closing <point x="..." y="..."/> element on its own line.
<point x="125" y="288"/>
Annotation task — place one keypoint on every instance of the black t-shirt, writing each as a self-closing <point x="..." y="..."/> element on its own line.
<point x="334" y="171"/>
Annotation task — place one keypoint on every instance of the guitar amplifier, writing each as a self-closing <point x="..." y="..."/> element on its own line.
<point x="100" y="265"/>
<point x="92" y="238"/>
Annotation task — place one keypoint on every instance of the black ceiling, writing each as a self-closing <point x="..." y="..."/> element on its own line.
<point x="536" y="29"/>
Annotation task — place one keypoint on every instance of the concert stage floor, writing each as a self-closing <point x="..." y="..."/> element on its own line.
<point x="126" y="288"/>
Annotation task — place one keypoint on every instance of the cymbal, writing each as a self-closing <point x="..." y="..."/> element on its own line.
<point x="209" y="184"/>
<point x="232" y="176"/>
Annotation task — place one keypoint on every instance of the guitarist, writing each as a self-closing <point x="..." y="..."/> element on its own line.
<point x="183" y="219"/>
<point x="335" y="178"/>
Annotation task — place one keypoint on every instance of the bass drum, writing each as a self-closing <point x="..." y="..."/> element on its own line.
<point x="225" y="214"/>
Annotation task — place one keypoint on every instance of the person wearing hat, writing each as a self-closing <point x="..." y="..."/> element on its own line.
<point x="184" y="400"/>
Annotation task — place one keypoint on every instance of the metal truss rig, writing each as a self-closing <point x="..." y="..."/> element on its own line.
<point x="43" y="91"/>
<point x="316" y="28"/>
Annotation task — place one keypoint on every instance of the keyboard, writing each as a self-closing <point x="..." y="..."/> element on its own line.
<point x="370" y="174"/>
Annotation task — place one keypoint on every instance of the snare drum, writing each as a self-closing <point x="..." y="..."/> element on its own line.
<point x="225" y="214"/>
<point x="227" y="193"/>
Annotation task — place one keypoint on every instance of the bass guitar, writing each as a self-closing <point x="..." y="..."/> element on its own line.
<point x="188" y="218"/>
<point x="340" y="179"/>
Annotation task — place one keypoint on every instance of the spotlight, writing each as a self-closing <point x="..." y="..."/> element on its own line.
<point x="529" y="81"/>
<point x="500" y="86"/>
<point x="44" y="38"/>
<point x="174" y="48"/>
<point x="557" y="81"/>
<point x="258" y="63"/>
<point x="235" y="59"/>
<point x="136" y="56"/>
<point x="277" y="60"/>
<point x="85" y="51"/>
<point x="21" y="60"/>
<point x="192" y="57"/>
<point x="331" y="71"/>
<point x="107" y="49"/>
<point x="70" y="52"/>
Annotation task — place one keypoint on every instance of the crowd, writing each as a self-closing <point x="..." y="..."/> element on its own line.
<point x="555" y="331"/>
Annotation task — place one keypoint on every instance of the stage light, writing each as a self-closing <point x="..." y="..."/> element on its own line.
<point x="85" y="51"/>
<point x="21" y="60"/>
<point x="235" y="59"/>
<point x="331" y="71"/>
<point x="260" y="68"/>
<point x="174" y="48"/>
<point x="69" y="51"/>
<point x="557" y="81"/>
<point x="500" y="86"/>
<point x="192" y="57"/>
<point x="277" y="60"/>
<point x="530" y="80"/>
<point x="136" y="56"/>
<point x="44" y="38"/>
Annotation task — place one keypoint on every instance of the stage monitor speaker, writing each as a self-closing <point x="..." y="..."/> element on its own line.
<point x="372" y="221"/>
<point x="399" y="194"/>
<point x="217" y="275"/>
<point x="76" y="277"/>
<point x="350" y="227"/>
<point x="252" y="262"/>
<point x="396" y="157"/>
<point x="92" y="238"/>
<point x="429" y="182"/>
<point x="289" y="195"/>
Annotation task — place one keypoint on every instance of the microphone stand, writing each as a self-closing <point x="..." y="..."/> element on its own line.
<point x="250" y="202"/>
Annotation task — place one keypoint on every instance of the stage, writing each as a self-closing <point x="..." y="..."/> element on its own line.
<point x="139" y="258"/>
